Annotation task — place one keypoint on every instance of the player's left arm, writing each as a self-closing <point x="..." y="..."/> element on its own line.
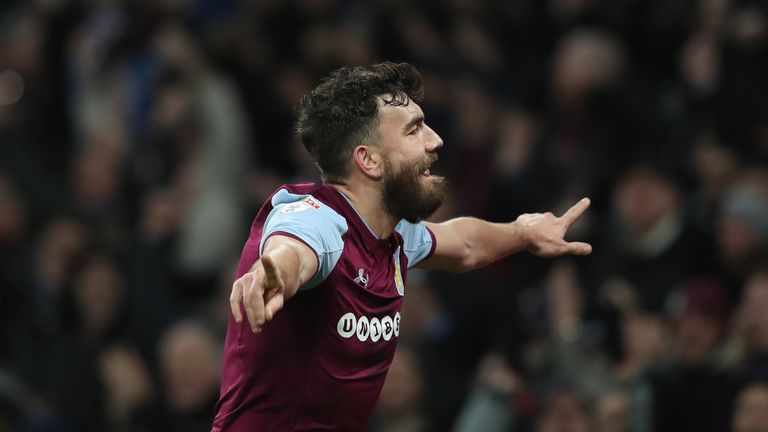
<point x="467" y="243"/>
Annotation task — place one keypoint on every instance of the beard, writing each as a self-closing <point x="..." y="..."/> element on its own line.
<point x="405" y="194"/>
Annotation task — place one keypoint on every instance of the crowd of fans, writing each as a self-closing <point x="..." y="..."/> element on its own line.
<point x="139" y="138"/>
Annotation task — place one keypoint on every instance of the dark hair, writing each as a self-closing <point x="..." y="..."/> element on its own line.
<point x="342" y="112"/>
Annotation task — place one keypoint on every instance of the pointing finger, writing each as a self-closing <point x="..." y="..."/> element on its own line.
<point x="271" y="277"/>
<point x="247" y="299"/>
<point x="253" y="300"/>
<point x="234" y="300"/>
<point x="574" y="212"/>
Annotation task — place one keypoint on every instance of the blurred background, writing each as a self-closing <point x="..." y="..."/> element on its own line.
<point x="138" y="138"/>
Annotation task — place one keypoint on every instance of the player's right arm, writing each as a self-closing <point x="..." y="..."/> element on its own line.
<point x="299" y="245"/>
<point x="465" y="243"/>
<point x="284" y="266"/>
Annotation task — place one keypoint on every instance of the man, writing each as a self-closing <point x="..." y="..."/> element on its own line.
<point x="751" y="408"/>
<point x="340" y="252"/>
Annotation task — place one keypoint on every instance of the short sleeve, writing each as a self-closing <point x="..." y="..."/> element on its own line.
<point x="309" y="221"/>
<point x="418" y="241"/>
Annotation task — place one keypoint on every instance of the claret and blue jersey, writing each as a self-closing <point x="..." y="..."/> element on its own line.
<point x="321" y="362"/>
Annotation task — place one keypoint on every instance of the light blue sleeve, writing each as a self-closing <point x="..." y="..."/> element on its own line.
<point x="311" y="222"/>
<point x="418" y="242"/>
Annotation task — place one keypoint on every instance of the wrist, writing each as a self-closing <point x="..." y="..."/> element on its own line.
<point x="522" y="234"/>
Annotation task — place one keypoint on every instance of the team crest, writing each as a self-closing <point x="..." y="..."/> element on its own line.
<point x="398" y="276"/>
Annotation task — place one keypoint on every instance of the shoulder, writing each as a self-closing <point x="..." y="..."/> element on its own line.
<point x="289" y="193"/>
<point x="418" y="241"/>
<point x="292" y="206"/>
<point x="410" y="230"/>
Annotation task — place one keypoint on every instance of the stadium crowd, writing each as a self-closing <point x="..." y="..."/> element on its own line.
<point x="139" y="138"/>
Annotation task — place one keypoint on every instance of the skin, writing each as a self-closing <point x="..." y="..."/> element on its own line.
<point x="751" y="411"/>
<point x="462" y="244"/>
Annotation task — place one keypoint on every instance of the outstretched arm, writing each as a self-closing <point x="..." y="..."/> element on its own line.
<point x="468" y="243"/>
<point x="284" y="266"/>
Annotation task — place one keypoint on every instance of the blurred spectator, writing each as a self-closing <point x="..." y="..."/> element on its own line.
<point x="516" y="169"/>
<point x="59" y="250"/>
<point x="742" y="226"/>
<point x="96" y="189"/>
<point x="645" y="345"/>
<point x="97" y="300"/>
<point x="93" y="316"/>
<point x="702" y="316"/>
<point x="154" y="297"/>
<point x="693" y="391"/>
<point x="492" y="404"/>
<point x="564" y="407"/>
<point x="751" y="411"/>
<point x="714" y="165"/>
<point x="588" y="118"/>
<point x="61" y="246"/>
<point x="130" y="403"/>
<point x="748" y="342"/>
<point x="567" y="349"/>
<point x="650" y="245"/>
<point x="189" y="365"/>
<point x="472" y="147"/>
<point x="213" y="165"/>
<point x="431" y="332"/>
<point x="613" y="412"/>
<point x="401" y="405"/>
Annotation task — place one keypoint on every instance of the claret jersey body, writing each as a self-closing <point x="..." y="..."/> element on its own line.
<point x="321" y="362"/>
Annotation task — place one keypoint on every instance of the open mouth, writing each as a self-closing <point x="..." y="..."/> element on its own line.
<point x="426" y="172"/>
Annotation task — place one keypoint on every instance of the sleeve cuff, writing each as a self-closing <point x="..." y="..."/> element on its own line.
<point x="295" y="237"/>
<point x="434" y="243"/>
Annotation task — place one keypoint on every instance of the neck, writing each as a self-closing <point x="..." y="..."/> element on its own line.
<point x="367" y="201"/>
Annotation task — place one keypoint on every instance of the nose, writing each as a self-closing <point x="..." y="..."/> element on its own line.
<point x="434" y="143"/>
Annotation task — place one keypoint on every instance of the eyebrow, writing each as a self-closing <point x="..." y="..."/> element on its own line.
<point x="413" y="122"/>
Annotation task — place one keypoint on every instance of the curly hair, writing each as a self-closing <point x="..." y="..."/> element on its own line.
<point x="342" y="112"/>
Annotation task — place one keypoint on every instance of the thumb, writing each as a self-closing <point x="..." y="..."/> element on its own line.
<point x="273" y="305"/>
<point x="578" y="248"/>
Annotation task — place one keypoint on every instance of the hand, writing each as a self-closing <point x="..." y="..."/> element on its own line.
<point x="545" y="233"/>
<point x="262" y="292"/>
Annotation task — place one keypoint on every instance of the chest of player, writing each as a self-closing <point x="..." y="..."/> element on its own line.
<point x="366" y="291"/>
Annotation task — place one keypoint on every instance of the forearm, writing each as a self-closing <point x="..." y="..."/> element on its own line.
<point x="294" y="269"/>
<point x="467" y="243"/>
<point x="285" y="264"/>
<point x="482" y="242"/>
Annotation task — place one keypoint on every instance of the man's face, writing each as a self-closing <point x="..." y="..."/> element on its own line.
<point x="751" y="413"/>
<point x="409" y="148"/>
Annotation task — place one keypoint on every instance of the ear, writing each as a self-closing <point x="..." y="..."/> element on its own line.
<point x="368" y="160"/>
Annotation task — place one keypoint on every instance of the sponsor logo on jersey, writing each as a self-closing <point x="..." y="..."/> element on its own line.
<point x="365" y="328"/>
<point x="362" y="278"/>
